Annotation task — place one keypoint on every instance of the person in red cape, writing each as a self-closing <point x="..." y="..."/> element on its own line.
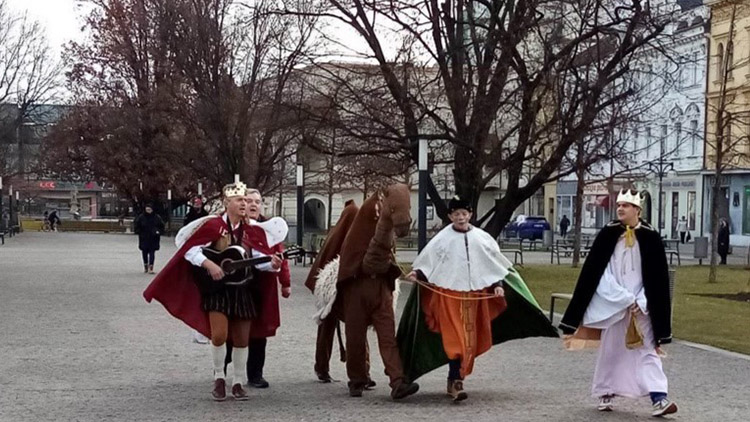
<point x="215" y="311"/>
<point x="265" y="292"/>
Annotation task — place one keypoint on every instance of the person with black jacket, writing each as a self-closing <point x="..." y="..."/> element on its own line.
<point x="622" y="295"/>
<point x="149" y="227"/>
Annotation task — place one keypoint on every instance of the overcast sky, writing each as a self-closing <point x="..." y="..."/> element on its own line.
<point x="59" y="17"/>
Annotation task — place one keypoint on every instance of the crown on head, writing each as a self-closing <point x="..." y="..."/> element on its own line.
<point x="631" y="196"/>
<point x="234" y="189"/>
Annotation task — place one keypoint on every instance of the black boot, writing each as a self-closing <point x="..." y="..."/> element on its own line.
<point x="256" y="360"/>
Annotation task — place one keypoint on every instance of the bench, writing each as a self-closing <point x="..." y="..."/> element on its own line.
<point x="91" y="226"/>
<point x="312" y="245"/>
<point x="517" y="253"/>
<point x="555" y="296"/>
<point x="672" y="249"/>
<point x="566" y="251"/>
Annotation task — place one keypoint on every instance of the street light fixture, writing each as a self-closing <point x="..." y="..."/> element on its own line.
<point x="169" y="211"/>
<point x="660" y="168"/>
<point x="300" y="203"/>
<point x="423" y="180"/>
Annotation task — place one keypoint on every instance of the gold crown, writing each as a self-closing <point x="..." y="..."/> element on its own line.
<point x="630" y="196"/>
<point x="234" y="189"/>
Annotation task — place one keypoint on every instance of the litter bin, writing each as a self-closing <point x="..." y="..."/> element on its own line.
<point x="547" y="239"/>
<point x="701" y="248"/>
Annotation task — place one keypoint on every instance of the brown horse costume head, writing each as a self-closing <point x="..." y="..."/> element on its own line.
<point x="382" y="216"/>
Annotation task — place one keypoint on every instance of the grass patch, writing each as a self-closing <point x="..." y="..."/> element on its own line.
<point x="702" y="319"/>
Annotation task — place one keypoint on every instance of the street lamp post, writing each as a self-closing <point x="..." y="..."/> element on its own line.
<point x="300" y="203"/>
<point x="1" y="202"/>
<point x="10" y="210"/>
<point x="169" y="212"/>
<point x="423" y="179"/>
<point x="660" y="168"/>
<point x="18" y="213"/>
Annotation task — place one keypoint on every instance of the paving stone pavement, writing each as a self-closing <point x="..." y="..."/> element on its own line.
<point x="79" y="343"/>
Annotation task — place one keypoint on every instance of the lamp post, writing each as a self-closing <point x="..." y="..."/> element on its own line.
<point x="660" y="168"/>
<point x="300" y="203"/>
<point x="10" y="210"/>
<point x="18" y="213"/>
<point x="169" y="212"/>
<point x="1" y="202"/>
<point x="423" y="179"/>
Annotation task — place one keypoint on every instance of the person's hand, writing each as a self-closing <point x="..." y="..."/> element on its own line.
<point x="213" y="269"/>
<point x="634" y="309"/>
<point x="286" y="292"/>
<point x="412" y="276"/>
<point x="499" y="292"/>
<point x="276" y="261"/>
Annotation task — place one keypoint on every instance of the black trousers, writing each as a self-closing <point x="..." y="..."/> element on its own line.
<point x="148" y="257"/>
<point x="256" y="357"/>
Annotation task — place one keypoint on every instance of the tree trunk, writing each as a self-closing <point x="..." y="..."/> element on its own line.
<point x="578" y="211"/>
<point x="715" y="191"/>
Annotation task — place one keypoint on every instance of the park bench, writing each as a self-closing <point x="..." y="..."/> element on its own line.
<point x="672" y="249"/>
<point x="517" y="254"/>
<point x="91" y="226"/>
<point x="554" y="297"/>
<point x="565" y="248"/>
<point x="312" y="244"/>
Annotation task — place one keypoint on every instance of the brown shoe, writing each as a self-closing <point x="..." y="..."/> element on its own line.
<point x="238" y="392"/>
<point x="456" y="390"/>
<point x="151" y="269"/>
<point x="404" y="390"/>
<point x="145" y="269"/>
<point x="220" y="390"/>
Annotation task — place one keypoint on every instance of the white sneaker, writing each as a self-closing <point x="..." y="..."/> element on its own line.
<point x="199" y="338"/>
<point x="606" y="404"/>
<point x="664" y="407"/>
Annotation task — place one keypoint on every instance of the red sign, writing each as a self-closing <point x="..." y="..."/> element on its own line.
<point x="47" y="185"/>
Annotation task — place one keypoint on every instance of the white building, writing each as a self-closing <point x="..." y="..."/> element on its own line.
<point x="670" y="135"/>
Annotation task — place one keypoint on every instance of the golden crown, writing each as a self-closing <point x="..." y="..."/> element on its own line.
<point x="234" y="189"/>
<point x="630" y="196"/>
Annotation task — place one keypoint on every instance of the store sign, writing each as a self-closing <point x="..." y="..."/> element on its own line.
<point x="680" y="183"/>
<point x="47" y="185"/>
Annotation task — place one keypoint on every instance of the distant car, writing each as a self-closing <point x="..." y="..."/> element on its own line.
<point x="527" y="227"/>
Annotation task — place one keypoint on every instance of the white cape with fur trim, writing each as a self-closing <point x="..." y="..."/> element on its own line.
<point x="276" y="230"/>
<point x="462" y="261"/>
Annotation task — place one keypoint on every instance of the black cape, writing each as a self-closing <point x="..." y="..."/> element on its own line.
<point x="655" y="279"/>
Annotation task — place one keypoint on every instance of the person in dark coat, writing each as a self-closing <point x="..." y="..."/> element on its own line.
<point x="196" y="211"/>
<point x="149" y="227"/>
<point x="624" y="288"/>
<point x="564" y="224"/>
<point x="723" y="248"/>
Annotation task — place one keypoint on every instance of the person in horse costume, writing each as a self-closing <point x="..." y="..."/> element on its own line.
<point x="366" y="281"/>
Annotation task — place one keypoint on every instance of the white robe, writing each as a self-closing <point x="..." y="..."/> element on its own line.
<point x="462" y="261"/>
<point x="621" y="371"/>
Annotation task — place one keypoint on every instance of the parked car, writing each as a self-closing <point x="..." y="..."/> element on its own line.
<point x="527" y="227"/>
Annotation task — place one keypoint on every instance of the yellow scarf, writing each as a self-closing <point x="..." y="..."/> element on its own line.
<point x="629" y="236"/>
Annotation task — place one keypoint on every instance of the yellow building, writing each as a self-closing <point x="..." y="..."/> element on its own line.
<point x="728" y="89"/>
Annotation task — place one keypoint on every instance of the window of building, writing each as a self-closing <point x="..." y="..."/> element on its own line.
<point x="677" y="137"/>
<point x="730" y="59"/>
<point x="694" y="69"/>
<point x="694" y="137"/>
<point x="663" y="147"/>
<point x="662" y="210"/>
<point x="649" y="143"/>
<point x="691" y="210"/>
<point x="720" y="62"/>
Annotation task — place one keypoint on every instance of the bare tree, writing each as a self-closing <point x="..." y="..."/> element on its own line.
<point x="507" y="86"/>
<point x="29" y="77"/>
<point x="237" y="60"/>
<point x="731" y="144"/>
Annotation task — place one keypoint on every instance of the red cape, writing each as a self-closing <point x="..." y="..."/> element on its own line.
<point x="174" y="286"/>
<point x="269" y="317"/>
